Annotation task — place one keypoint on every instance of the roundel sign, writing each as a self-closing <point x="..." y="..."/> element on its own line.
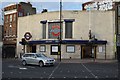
<point x="27" y="36"/>
<point x="55" y="31"/>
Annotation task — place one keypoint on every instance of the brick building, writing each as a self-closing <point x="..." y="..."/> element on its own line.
<point x="11" y="14"/>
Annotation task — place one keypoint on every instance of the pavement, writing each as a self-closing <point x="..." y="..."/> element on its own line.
<point x="87" y="60"/>
<point x="78" y="60"/>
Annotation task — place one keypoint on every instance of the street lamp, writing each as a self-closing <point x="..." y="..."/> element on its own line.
<point x="60" y="29"/>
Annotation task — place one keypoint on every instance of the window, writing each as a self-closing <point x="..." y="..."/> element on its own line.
<point x="26" y="55"/>
<point x="68" y="30"/>
<point x="43" y="28"/>
<point x="10" y="30"/>
<point x="44" y="31"/>
<point x="42" y="48"/>
<point x="71" y="49"/>
<point x="10" y="18"/>
<point x="29" y="55"/>
<point x="20" y="14"/>
<point x="14" y="17"/>
<point x="6" y="19"/>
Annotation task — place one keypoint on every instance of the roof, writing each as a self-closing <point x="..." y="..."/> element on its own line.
<point x="11" y="4"/>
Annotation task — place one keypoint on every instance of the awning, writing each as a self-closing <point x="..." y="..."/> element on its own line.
<point x="67" y="42"/>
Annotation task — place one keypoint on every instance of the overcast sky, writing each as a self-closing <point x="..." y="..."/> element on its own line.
<point x="51" y="5"/>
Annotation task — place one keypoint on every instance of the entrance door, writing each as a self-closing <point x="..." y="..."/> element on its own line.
<point x="9" y="51"/>
<point x="34" y="49"/>
<point x="88" y="51"/>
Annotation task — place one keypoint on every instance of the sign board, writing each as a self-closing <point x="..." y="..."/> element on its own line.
<point x="71" y="49"/>
<point x="54" y="30"/>
<point x="118" y="40"/>
<point x="27" y="36"/>
<point x="54" y="50"/>
<point x="100" y="5"/>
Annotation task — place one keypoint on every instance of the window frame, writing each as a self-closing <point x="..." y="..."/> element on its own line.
<point x="11" y="16"/>
<point x="70" y="46"/>
<point x="69" y="21"/>
<point x="44" y="48"/>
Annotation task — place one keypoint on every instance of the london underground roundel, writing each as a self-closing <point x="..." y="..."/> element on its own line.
<point x="28" y="36"/>
<point x="55" y="31"/>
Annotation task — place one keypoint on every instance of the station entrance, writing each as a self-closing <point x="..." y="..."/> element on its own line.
<point x="88" y="51"/>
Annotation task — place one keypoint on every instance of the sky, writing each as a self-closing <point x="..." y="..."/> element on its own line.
<point x="51" y="5"/>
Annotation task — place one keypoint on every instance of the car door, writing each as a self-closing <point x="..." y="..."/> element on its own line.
<point x="27" y="58"/>
<point x="32" y="59"/>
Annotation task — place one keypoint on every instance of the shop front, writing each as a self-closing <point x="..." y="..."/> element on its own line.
<point x="69" y="48"/>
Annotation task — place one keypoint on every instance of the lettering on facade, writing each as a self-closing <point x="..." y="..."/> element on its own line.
<point x="101" y="5"/>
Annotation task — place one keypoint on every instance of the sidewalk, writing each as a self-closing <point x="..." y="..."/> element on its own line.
<point x="87" y="61"/>
<point x="75" y="60"/>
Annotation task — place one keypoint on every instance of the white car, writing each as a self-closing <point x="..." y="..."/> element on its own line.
<point x="37" y="59"/>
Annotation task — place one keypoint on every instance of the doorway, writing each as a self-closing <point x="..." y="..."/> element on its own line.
<point x="34" y="49"/>
<point x="88" y="51"/>
<point x="9" y="51"/>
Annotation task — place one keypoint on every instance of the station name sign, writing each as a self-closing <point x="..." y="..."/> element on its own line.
<point x="101" y="5"/>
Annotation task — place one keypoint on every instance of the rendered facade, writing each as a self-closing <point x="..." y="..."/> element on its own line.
<point x="84" y="34"/>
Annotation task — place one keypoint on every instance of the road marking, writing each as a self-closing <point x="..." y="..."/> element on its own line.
<point x="89" y="71"/>
<point x="106" y="76"/>
<point x="41" y="77"/>
<point x="53" y="71"/>
<point x="64" y="77"/>
<point x="23" y="68"/>
<point x="11" y="72"/>
<point x="75" y="77"/>
<point x="52" y="77"/>
<point x="115" y="75"/>
<point x="86" y="77"/>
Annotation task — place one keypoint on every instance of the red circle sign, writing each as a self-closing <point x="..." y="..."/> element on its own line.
<point x="55" y="30"/>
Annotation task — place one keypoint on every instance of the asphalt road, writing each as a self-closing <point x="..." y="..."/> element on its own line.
<point x="12" y="68"/>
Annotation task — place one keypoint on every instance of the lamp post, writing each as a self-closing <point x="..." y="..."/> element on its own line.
<point x="60" y="29"/>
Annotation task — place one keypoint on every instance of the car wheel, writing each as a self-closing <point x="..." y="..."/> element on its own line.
<point x="24" y="63"/>
<point x="41" y="64"/>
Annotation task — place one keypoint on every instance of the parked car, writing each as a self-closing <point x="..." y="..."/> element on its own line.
<point x="37" y="59"/>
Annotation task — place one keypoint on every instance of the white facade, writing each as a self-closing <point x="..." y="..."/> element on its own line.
<point x="102" y="24"/>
